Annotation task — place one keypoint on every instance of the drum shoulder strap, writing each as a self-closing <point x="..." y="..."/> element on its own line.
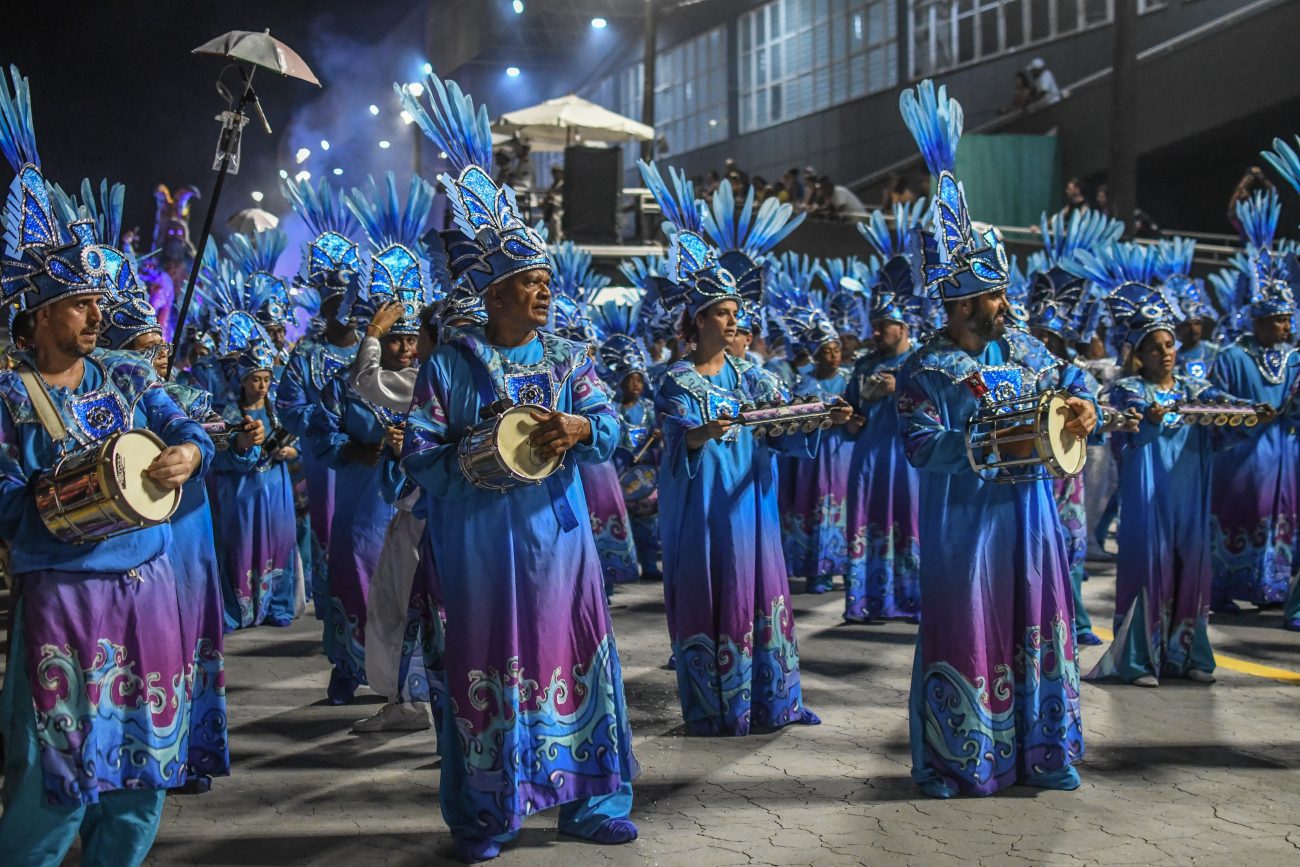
<point x="43" y="404"/>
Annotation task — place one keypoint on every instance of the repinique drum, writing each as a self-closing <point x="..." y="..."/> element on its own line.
<point x="495" y="454"/>
<point x="1038" y="418"/>
<point x="639" y="482"/>
<point x="103" y="491"/>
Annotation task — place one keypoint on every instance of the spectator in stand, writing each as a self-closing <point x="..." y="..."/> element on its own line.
<point x="1101" y="201"/>
<point x="1252" y="182"/>
<point x="1075" y="200"/>
<point x="733" y="173"/>
<point x="553" y="203"/>
<point x="1042" y="84"/>
<point x="844" y="204"/>
<point x="712" y="183"/>
<point x="1022" y="93"/>
<point x="793" y="185"/>
<point x="897" y="192"/>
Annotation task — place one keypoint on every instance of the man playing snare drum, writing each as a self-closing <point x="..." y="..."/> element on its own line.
<point x="995" y="685"/>
<point x="96" y="702"/>
<point x="534" y="714"/>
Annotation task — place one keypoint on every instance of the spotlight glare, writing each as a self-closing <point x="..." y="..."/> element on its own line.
<point x="301" y="156"/>
<point x="406" y="117"/>
<point x="338" y="171"/>
<point x="599" y="23"/>
<point x="512" y="71"/>
<point x="385" y="144"/>
<point x="519" y="7"/>
<point x="374" y="109"/>
<point x="257" y="195"/>
<point x="415" y="89"/>
<point x="324" y="145"/>
<point x="442" y="155"/>
<point x="284" y="174"/>
<point x="427" y="69"/>
<point x="303" y="175"/>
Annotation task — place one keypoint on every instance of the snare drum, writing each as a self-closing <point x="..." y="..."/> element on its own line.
<point x="640" y="484"/>
<point x="1039" y="419"/>
<point x="103" y="491"/>
<point x="495" y="454"/>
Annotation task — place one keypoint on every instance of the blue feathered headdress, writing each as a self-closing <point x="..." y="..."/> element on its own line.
<point x="574" y="287"/>
<point x="800" y="316"/>
<point x="619" y="352"/>
<point x="895" y="277"/>
<point x="46" y="258"/>
<point x="230" y="304"/>
<point x="1284" y="158"/>
<point x="955" y="263"/>
<point x="398" y="271"/>
<point x="490" y="241"/>
<point x="696" y="278"/>
<point x="331" y="260"/>
<point x="1270" y="292"/>
<point x="1137" y="310"/>
<point x="256" y="255"/>
<point x="744" y="239"/>
<point x="847" y="299"/>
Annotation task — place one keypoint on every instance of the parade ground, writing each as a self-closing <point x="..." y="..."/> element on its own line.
<point x="1182" y="774"/>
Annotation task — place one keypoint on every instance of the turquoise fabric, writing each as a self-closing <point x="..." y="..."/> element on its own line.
<point x="1010" y="180"/>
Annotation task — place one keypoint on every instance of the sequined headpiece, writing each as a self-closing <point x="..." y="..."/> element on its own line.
<point x="1270" y="289"/>
<point x="331" y="261"/>
<point x="953" y="262"/>
<point x="397" y="269"/>
<point x="802" y="318"/>
<point x="695" y="276"/>
<point x="744" y="239"/>
<point x="574" y="287"/>
<point x="490" y="241"/>
<point x="230" y="302"/>
<point x="1137" y="310"/>
<point x="646" y="273"/>
<point x="847" y="299"/>
<point x="619" y="353"/>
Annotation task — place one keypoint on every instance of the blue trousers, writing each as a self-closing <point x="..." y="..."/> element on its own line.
<point x="116" y="832"/>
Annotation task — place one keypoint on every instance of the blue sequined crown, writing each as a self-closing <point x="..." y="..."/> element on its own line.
<point x="397" y="270"/>
<point x="1137" y="310"/>
<point x="331" y="260"/>
<point x="490" y="241"/>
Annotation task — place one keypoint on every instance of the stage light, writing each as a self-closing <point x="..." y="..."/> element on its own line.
<point x="519" y="6"/>
<point x="406" y="117"/>
<point x="415" y="89"/>
<point x="385" y="144"/>
<point x="713" y="121"/>
<point x="303" y="175"/>
<point x="257" y="195"/>
<point x="374" y="109"/>
<point x="512" y="71"/>
<point x="428" y="68"/>
<point x="442" y="155"/>
<point x="301" y="156"/>
<point x="324" y="145"/>
<point x="598" y="23"/>
<point x="338" y="171"/>
<point x="284" y="174"/>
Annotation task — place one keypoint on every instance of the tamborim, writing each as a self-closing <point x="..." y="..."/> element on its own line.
<point x="1038" y="419"/>
<point x="495" y="454"/>
<point x="103" y="491"/>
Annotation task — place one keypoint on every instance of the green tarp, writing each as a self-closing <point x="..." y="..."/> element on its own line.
<point x="1010" y="180"/>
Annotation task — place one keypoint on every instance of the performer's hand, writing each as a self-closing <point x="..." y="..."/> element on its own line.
<point x="855" y="424"/>
<point x="1155" y="414"/>
<point x="714" y="430"/>
<point x="557" y="432"/>
<point x="385" y="318"/>
<point x="287" y="453"/>
<point x="841" y="414"/>
<point x="1083" y="418"/>
<point x="363" y="453"/>
<point x="253" y="437"/>
<point x="888" y="384"/>
<point x="175" y="465"/>
<point x="1266" y="413"/>
<point x="394" y="437"/>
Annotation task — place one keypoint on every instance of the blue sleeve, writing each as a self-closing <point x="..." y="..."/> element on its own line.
<point x="678" y="414"/>
<point x="591" y="402"/>
<point x="175" y="428"/>
<point x="929" y="444"/>
<point x="14" y="500"/>
<point x="1147" y="433"/>
<point x="428" y="451"/>
<point x="291" y="401"/>
<point x="325" y="434"/>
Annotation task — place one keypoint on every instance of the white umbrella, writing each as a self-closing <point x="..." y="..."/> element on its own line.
<point x="251" y="220"/>
<point x="557" y="123"/>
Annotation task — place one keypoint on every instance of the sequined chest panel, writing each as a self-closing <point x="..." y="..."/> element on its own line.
<point x="325" y="365"/>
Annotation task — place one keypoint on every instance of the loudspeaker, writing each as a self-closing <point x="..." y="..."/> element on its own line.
<point x="593" y="183"/>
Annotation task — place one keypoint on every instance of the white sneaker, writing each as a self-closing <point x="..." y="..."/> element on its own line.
<point x="1146" y="680"/>
<point x="1197" y="676"/>
<point x="409" y="716"/>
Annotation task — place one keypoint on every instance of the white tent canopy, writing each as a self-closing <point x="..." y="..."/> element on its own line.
<point x="568" y="120"/>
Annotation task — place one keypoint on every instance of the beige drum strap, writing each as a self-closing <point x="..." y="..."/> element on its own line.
<point x="43" y="404"/>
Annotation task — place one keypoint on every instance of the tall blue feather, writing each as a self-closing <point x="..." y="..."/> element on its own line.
<point x="935" y="121"/>
<point x="1258" y="216"/>
<point x="1286" y="160"/>
<point x="321" y="207"/>
<point x="463" y="133"/>
<point x="384" y="219"/>
<point x="17" y="134"/>
<point x="679" y="206"/>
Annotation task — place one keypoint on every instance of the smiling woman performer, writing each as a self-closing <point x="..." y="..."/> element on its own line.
<point x="725" y="584"/>
<point x="537" y="718"/>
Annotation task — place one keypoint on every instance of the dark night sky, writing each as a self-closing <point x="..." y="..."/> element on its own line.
<point x="117" y="93"/>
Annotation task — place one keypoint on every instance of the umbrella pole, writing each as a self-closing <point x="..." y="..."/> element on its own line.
<point x="179" y="327"/>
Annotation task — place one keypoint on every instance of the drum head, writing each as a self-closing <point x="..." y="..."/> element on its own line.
<point x="512" y="439"/>
<point x="1068" y="450"/>
<point x="126" y="461"/>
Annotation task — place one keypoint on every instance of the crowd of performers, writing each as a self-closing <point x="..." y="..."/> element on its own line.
<point x="331" y="475"/>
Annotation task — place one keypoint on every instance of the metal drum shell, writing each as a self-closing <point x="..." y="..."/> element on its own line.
<point x="479" y="455"/>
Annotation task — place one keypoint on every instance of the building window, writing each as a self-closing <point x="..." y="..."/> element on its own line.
<point x="691" y="93"/>
<point x="948" y="33"/>
<point x="798" y="57"/>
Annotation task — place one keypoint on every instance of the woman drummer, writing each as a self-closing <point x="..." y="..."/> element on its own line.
<point x="1164" y="570"/>
<point x="725" y="583"/>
